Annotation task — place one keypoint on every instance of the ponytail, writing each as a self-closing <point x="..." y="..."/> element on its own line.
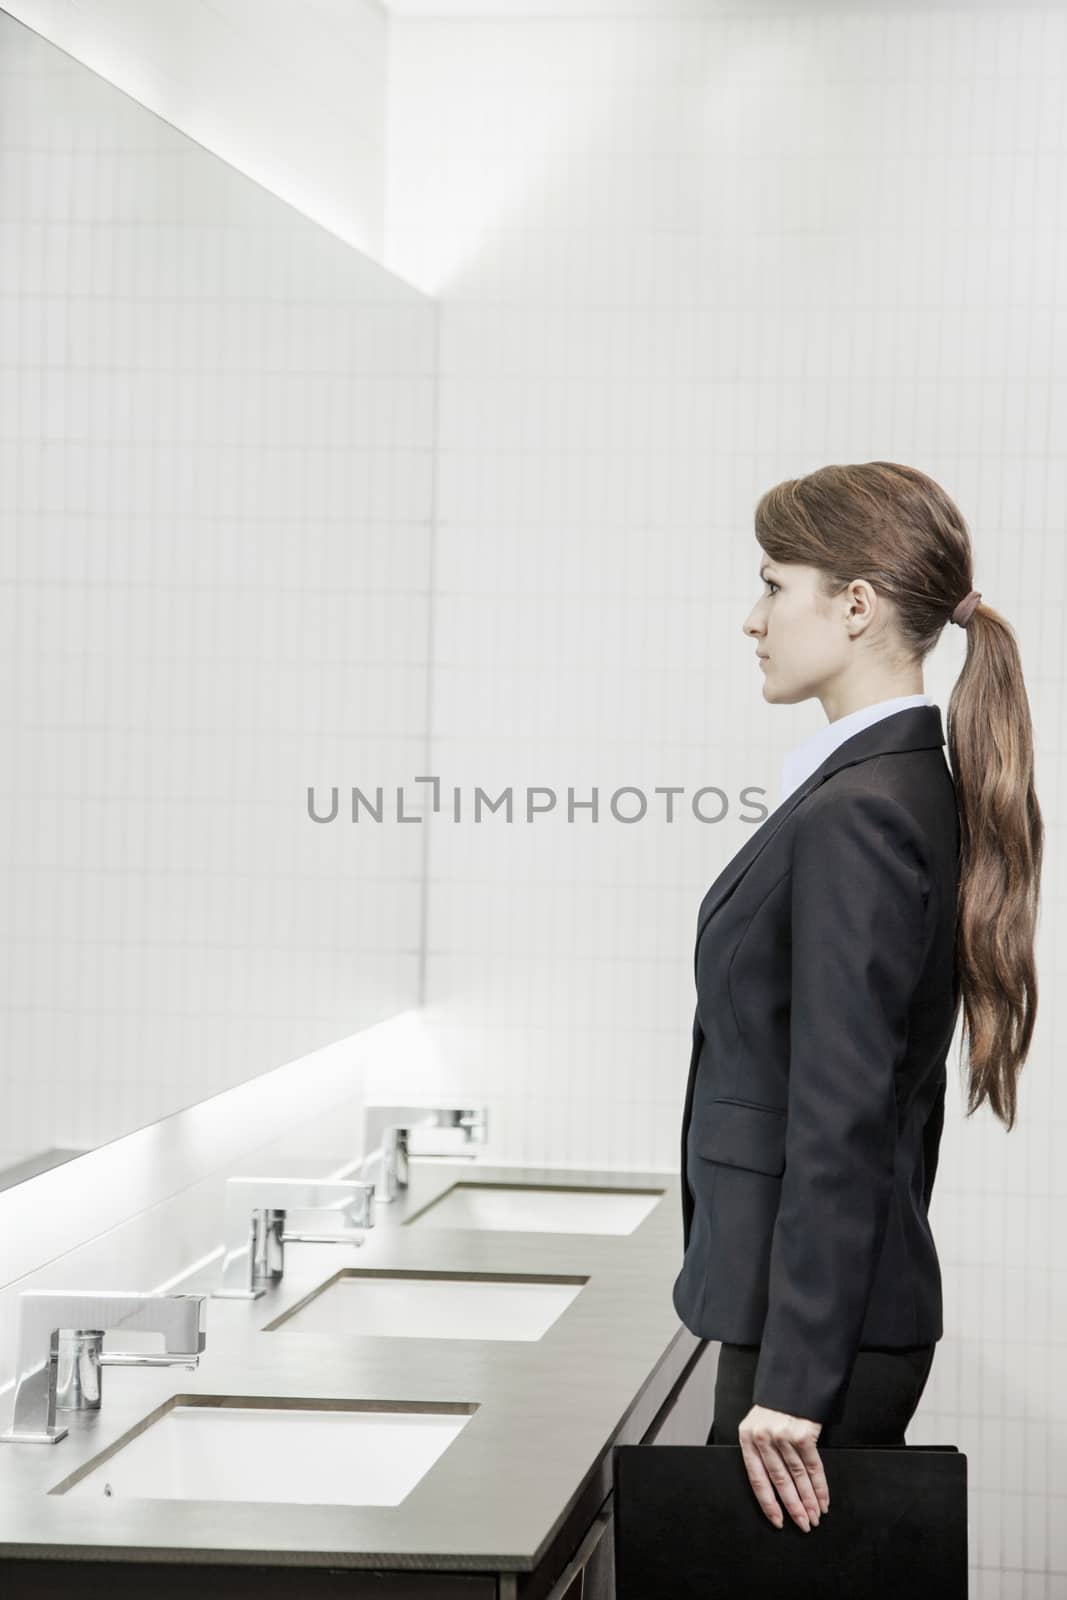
<point x="990" y="744"/>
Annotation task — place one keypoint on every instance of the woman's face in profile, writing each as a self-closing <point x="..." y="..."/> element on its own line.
<point x="802" y="637"/>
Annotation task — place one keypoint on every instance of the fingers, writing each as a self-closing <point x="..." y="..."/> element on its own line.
<point x="798" y="1463"/>
<point x="813" y="1463"/>
<point x="758" y="1478"/>
<point x="782" y="1479"/>
<point x="794" y="1469"/>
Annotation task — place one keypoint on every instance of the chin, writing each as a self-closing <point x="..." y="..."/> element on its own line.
<point x="781" y="695"/>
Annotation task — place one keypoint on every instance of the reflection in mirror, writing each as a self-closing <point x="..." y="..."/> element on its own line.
<point x="216" y="428"/>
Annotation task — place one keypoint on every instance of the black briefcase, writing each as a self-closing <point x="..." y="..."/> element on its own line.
<point x="687" y="1526"/>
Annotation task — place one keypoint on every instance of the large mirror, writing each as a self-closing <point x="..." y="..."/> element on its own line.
<point x="216" y="427"/>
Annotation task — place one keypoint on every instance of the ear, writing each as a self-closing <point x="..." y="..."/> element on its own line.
<point x="862" y="602"/>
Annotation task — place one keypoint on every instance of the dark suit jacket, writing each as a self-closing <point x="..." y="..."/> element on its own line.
<point x="827" y="998"/>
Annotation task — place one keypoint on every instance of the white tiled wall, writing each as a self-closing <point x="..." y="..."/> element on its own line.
<point x="216" y="430"/>
<point x="291" y="94"/>
<point x="680" y="259"/>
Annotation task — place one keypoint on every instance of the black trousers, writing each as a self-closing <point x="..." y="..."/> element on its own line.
<point x="880" y="1400"/>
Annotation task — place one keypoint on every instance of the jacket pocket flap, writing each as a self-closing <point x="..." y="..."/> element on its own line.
<point x="738" y="1134"/>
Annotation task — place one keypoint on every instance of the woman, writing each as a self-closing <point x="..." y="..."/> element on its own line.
<point x="832" y="955"/>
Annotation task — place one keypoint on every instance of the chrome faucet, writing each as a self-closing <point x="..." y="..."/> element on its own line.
<point x="255" y="1231"/>
<point x="394" y="1126"/>
<point x="43" y="1317"/>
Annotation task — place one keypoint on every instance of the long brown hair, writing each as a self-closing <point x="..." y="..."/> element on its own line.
<point x="899" y="530"/>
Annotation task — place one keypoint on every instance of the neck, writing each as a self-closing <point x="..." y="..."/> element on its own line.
<point x="840" y="699"/>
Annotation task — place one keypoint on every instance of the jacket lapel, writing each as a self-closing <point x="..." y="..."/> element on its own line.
<point x="917" y="728"/>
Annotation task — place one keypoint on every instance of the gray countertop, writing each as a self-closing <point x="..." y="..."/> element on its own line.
<point x="533" y="1455"/>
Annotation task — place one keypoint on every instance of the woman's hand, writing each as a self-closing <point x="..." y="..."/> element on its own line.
<point x="779" y="1449"/>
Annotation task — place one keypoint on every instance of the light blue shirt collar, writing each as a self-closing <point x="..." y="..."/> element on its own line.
<point x="802" y="760"/>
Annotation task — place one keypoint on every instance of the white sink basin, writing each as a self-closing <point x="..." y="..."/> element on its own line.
<point x="538" y="1210"/>
<point x="299" y="1455"/>
<point x="446" y="1307"/>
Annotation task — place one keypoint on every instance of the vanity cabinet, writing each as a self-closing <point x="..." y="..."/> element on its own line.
<point x="518" y="1506"/>
<point x="125" y="1580"/>
<point x="589" y="1574"/>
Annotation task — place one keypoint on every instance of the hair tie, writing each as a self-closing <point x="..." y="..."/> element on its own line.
<point x="965" y="609"/>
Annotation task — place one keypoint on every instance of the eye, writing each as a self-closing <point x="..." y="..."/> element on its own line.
<point x="771" y="583"/>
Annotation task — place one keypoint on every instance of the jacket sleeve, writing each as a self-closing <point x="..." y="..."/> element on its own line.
<point x="858" y="912"/>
